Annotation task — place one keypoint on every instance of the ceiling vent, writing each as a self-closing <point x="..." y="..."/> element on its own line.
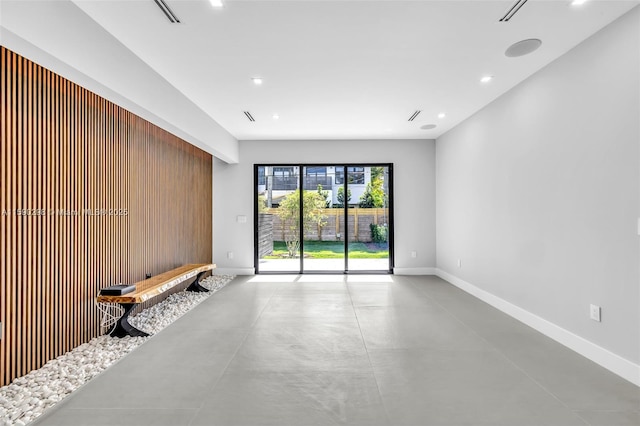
<point x="414" y="115"/>
<point x="249" y="116"/>
<point x="167" y="11"/>
<point x="513" y="10"/>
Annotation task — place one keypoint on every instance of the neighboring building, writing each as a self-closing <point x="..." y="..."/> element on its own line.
<point x="277" y="181"/>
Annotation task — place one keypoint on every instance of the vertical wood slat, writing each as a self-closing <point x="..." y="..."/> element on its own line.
<point x="65" y="150"/>
<point x="4" y="166"/>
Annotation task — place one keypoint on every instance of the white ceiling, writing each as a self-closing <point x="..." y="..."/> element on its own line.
<point x="344" y="69"/>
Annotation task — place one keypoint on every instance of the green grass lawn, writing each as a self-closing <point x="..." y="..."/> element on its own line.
<point x="333" y="250"/>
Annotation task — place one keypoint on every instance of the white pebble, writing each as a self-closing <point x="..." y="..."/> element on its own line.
<point x="28" y="396"/>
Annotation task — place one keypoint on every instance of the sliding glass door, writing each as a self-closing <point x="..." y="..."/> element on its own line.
<point x="324" y="248"/>
<point x="323" y="218"/>
<point x="278" y="219"/>
<point x="368" y="241"/>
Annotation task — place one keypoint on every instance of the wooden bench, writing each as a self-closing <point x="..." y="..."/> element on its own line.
<point x="149" y="288"/>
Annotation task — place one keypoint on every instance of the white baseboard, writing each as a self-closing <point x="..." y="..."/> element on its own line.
<point x="607" y="359"/>
<point x="414" y="271"/>
<point x="234" y="271"/>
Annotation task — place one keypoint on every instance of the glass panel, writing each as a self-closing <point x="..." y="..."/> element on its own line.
<point x="322" y="213"/>
<point x="368" y="218"/>
<point x="278" y="219"/>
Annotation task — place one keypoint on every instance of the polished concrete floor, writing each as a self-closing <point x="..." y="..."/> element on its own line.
<point x="356" y="350"/>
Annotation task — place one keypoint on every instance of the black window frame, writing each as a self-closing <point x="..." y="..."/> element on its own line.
<point x="300" y="177"/>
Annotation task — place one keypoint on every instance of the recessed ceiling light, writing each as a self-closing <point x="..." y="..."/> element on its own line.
<point x="523" y="47"/>
<point x="257" y="81"/>
<point x="216" y="3"/>
<point x="486" y="79"/>
<point x="276" y="116"/>
<point x="442" y="115"/>
<point x="428" y="126"/>
<point x="578" y="2"/>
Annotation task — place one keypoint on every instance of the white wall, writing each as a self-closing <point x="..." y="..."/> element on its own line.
<point x="414" y="195"/>
<point x="538" y="194"/>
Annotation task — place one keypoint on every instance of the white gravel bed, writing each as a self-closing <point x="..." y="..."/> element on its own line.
<point x="28" y="396"/>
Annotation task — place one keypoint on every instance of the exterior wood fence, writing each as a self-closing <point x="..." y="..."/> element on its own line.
<point x="359" y="221"/>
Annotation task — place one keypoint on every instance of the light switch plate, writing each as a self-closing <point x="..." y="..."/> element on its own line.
<point x="594" y="312"/>
<point x="241" y="219"/>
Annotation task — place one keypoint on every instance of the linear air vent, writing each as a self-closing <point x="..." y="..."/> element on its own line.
<point x="249" y="116"/>
<point x="414" y="115"/>
<point x="167" y="11"/>
<point x="513" y="10"/>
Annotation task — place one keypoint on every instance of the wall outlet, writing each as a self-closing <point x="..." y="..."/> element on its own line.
<point x="594" y="312"/>
<point x="459" y="263"/>
<point x="414" y="254"/>
<point x="229" y="255"/>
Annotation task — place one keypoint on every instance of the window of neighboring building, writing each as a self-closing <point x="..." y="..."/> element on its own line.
<point x="316" y="171"/>
<point x="356" y="175"/>
<point x="283" y="171"/>
<point x="315" y="176"/>
<point x="284" y="178"/>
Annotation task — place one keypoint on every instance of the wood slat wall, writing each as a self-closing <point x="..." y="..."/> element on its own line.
<point x="66" y="151"/>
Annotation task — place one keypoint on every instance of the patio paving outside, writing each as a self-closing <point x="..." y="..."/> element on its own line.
<point x="337" y="265"/>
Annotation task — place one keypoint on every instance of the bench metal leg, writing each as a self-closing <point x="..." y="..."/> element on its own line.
<point x="122" y="327"/>
<point x="195" y="286"/>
